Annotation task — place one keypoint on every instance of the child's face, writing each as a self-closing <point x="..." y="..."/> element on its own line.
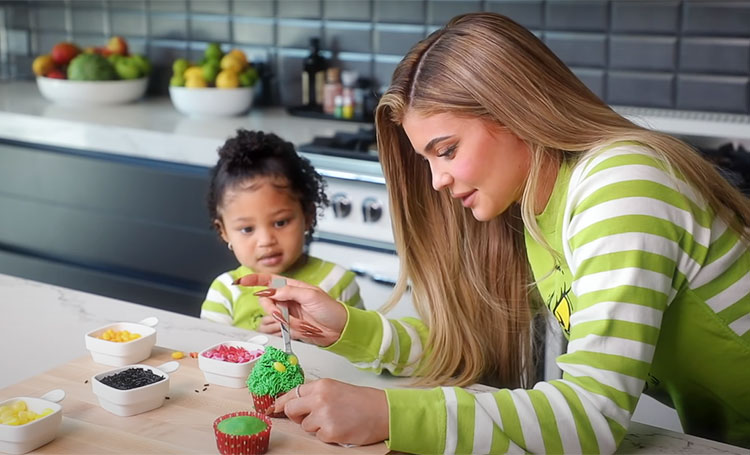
<point x="264" y="223"/>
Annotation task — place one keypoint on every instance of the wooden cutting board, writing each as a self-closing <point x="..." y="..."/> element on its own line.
<point x="182" y="425"/>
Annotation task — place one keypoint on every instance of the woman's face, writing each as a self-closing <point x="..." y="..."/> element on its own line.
<point x="264" y="223"/>
<point x="483" y="165"/>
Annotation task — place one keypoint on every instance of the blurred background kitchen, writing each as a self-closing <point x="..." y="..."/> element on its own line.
<point x="110" y="199"/>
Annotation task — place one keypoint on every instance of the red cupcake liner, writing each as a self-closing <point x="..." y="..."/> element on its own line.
<point x="263" y="403"/>
<point x="253" y="444"/>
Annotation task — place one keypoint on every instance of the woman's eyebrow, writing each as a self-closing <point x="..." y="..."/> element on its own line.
<point x="431" y="145"/>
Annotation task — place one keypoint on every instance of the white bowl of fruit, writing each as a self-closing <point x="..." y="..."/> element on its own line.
<point x="221" y="85"/>
<point x="93" y="76"/>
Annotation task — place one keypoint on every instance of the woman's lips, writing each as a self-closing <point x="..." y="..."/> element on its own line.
<point x="271" y="260"/>
<point x="468" y="199"/>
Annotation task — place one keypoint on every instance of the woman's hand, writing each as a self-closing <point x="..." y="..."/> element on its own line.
<point x="314" y="316"/>
<point x="338" y="412"/>
<point x="269" y="325"/>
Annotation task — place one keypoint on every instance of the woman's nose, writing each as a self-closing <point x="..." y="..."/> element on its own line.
<point x="440" y="179"/>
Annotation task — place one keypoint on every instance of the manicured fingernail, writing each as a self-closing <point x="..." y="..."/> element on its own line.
<point x="310" y="328"/>
<point x="265" y="293"/>
<point x="276" y="315"/>
<point x="237" y="281"/>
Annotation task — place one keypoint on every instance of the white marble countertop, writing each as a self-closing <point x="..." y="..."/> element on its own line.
<point x="43" y="326"/>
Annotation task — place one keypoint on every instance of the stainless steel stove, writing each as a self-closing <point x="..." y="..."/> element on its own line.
<point x="355" y="231"/>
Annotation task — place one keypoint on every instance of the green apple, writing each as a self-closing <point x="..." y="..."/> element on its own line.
<point x="127" y="68"/>
<point x="143" y="63"/>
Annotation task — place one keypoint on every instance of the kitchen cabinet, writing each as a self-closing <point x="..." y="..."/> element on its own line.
<point x="130" y="228"/>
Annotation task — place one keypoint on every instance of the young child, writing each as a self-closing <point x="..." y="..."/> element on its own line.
<point x="263" y="198"/>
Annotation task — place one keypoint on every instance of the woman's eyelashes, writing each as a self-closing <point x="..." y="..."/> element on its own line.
<point x="447" y="152"/>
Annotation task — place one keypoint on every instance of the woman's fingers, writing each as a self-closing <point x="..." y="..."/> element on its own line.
<point x="337" y="412"/>
<point x="264" y="279"/>
<point x="269" y="325"/>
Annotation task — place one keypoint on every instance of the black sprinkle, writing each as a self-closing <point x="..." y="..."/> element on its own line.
<point x="205" y="388"/>
<point x="86" y="381"/>
<point x="196" y="391"/>
<point x="131" y="378"/>
<point x="166" y="398"/>
<point x="205" y="385"/>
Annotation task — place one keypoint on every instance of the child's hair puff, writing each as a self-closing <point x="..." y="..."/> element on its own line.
<point x="252" y="154"/>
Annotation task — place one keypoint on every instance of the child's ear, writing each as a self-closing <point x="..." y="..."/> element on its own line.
<point x="219" y="226"/>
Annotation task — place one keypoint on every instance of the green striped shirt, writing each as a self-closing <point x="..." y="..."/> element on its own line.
<point x="653" y="294"/>
<point x="236" y="305"/>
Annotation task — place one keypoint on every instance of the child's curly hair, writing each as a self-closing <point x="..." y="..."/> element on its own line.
<point x="252" y="154"/>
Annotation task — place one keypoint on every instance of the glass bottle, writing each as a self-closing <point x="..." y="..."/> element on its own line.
<point x="313" y="76"/>
<point x="331" y="90"/>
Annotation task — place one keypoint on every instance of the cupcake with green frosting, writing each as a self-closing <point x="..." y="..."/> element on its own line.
<point x="242" y="433"/>
<point x="274" y="374"/>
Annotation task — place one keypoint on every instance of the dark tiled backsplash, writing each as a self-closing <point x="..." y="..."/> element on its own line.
<point x="673" y="54"/>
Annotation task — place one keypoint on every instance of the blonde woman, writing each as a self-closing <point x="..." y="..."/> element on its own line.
<point x="509" y="180"/>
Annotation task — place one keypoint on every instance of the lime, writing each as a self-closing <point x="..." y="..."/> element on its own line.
<point x="179" y="66"/>
<point x="177" y="81"/>
<point x="249" y="77"/>
<point x="213" y="51"/>
<point x="210" y="70"/>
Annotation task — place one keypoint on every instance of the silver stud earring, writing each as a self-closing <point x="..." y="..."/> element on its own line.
<point x="229" y="245"/>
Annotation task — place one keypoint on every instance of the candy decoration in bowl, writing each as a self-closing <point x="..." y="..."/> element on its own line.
<point x="28" y="423"/>
<point x="229" y="363"/>
<point x="220" y="85"/>
<point x="94" y="76"/>
<point x="122" y="343"/>
<point x="133" y="389"/>
<point x="242" y="433"/>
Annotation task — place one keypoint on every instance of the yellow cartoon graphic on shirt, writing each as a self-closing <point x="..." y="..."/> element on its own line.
<point x="562" y="310"/>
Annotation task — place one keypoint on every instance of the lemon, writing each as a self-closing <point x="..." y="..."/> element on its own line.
<point x="231" y="62"/>
<point x="239" y="55"/>
<point x="195" y="82"/>
<point x="193" y="71"/>
<point x="227" y="79"/>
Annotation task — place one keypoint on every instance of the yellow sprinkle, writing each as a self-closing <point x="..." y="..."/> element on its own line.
<point x="293" y="360"/>
<point x="278" y="366"/>
<point x="178" y="354"/>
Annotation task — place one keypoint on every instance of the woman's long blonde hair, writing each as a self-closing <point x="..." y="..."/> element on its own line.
<point x="469" y="279"/>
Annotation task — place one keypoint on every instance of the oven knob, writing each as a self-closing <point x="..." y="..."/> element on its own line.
<point x="372" y="210"/>
<point x="342" y="205"/>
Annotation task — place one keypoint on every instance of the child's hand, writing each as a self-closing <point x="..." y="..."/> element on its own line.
<point x="269" y="325"/>
<point x="315" y="317"/>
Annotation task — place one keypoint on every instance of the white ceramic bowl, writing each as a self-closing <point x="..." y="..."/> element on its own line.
<point x="212" y="102"/>
<point x="228" y="374"/>
<point x="133" y="401"/>
<point x="17" y="439"/>
<point x="118" y="354"/>
<point x="91" y="93"/>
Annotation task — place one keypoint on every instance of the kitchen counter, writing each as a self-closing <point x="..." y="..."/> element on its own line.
<point x="151" y="128"/>
<point x="43" y="327"/>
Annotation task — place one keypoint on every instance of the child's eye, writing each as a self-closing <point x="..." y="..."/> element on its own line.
<point x="247" y="230"/>
<point x="281" y="223"/>
<point x="448" y="152"/>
